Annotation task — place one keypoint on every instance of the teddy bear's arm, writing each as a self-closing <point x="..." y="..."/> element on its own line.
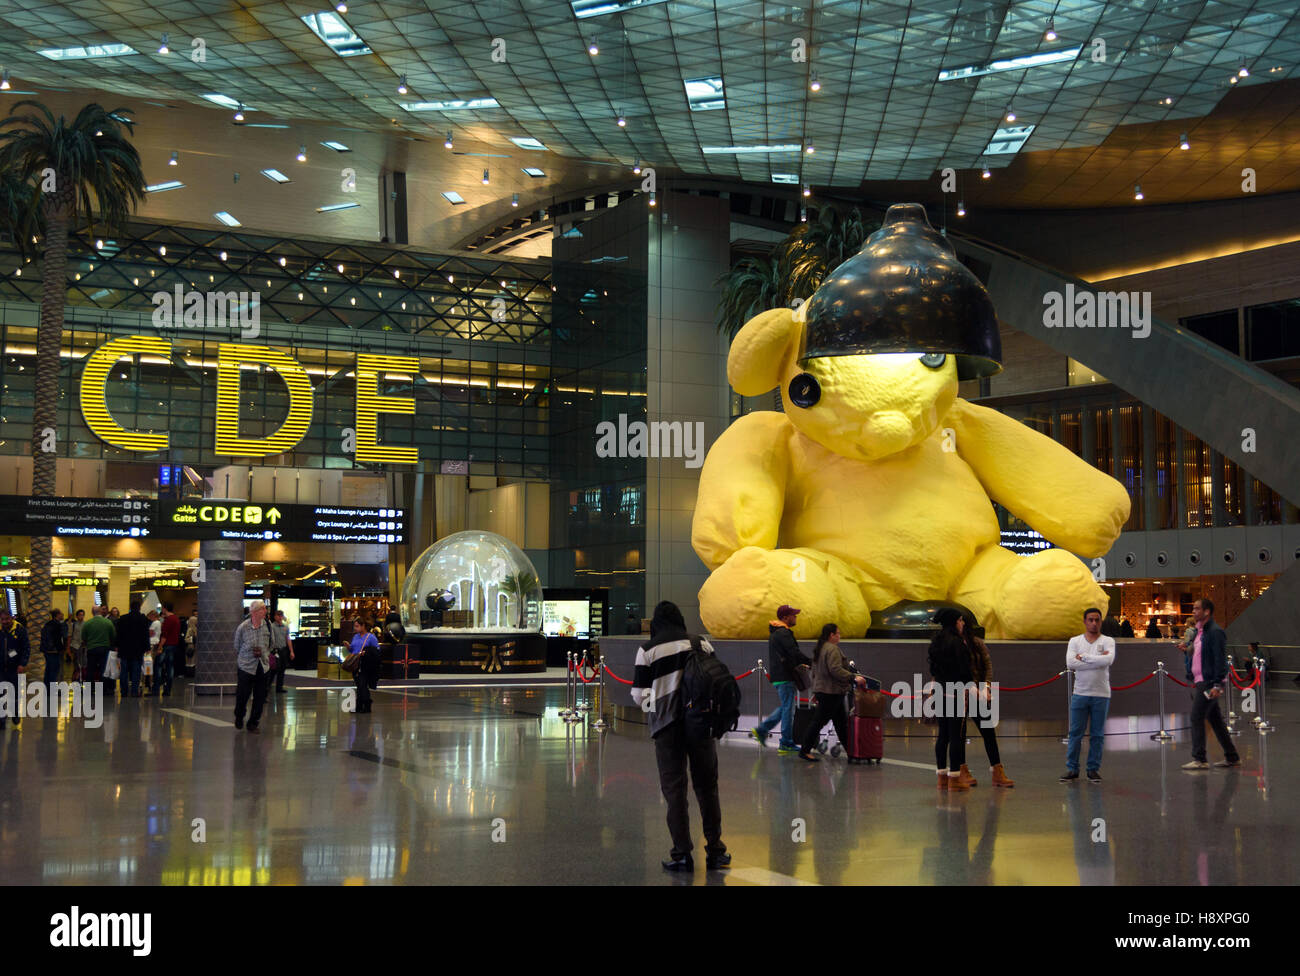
<point x="1072" y="503"/>
<point x="742" y="488"/>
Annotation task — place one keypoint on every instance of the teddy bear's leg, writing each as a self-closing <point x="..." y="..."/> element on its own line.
<point x="1038" y="597"/>
<point x="740" y="597"/>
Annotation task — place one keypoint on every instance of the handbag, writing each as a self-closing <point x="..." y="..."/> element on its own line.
<point x="352" y="663"/>
<point x="113" y="666"/>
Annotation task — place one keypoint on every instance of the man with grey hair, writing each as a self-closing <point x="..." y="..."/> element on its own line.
<point x="253" y="649"/>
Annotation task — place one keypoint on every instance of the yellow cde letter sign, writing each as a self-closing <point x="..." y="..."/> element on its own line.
<point x="231" y="358"/>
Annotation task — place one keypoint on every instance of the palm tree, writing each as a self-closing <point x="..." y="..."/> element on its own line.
<point x="753" y="285"/>
<point x="69" y="170"/>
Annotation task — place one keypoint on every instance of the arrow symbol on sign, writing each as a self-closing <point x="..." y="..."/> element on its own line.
<point x="272" y="515"/>
<point x="144" y="531"/>
<point x="277" y="535"/>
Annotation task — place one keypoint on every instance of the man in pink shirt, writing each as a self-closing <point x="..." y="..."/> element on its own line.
<point x="1207" y="669"/>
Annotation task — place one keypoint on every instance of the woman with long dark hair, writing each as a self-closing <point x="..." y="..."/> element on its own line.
<point x="982" y="674"/>
<point x="950" y="661"/>
<point x="831" y="680"/>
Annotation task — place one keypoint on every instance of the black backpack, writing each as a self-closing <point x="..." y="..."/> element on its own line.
<point x="710" y="695"/>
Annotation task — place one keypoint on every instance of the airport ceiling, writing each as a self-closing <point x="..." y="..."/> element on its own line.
<point x="719" y="89"/>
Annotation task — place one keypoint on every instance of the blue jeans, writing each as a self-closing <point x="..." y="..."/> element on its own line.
<point x="784" y="714"/>
<point x="165" y="670"/>
<point x="131" y="674"/>
<point x="1091" y="711"/>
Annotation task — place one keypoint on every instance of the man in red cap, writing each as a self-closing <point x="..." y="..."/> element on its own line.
<point x="783" y="657"/>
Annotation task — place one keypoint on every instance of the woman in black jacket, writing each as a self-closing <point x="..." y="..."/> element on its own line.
<point x="950" y="661"/>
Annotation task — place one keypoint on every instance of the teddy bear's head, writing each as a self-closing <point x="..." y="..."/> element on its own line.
<point x="869" y="365"/>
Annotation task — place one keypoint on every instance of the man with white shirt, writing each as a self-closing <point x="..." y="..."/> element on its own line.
<point x="1089" y="656"/>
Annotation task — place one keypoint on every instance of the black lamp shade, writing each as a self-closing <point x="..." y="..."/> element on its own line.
<point x="905" y="292"/>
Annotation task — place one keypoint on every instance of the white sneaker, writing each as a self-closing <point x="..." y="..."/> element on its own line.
<point x="1196" y="765"/>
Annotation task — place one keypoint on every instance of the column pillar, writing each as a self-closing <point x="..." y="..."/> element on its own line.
<point x="221" y="609"/>
<point x="119" y="587"/>
<point x="1219" y="516"/>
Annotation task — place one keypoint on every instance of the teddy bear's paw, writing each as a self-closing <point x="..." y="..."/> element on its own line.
<point x="740" y="597"/>
<point x="1044" y="596"/>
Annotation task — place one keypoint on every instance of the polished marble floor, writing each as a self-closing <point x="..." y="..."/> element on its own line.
<point x="489" y="786"/>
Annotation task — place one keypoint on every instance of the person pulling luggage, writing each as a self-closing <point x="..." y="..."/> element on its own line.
<point x="831" y="681"/>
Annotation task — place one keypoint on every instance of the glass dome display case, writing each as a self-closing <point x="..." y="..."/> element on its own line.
<point x="472" y="582"/>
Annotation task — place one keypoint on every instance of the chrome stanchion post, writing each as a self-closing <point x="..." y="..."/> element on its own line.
<point x="1069" y="696"/>
<point x="574" y="715"/>
<point x="760" y="674"/>
<point x="583" y="705"/>
<point x="600" y="724"/>
<point x="566" y="711"/>
<point x="1264" y="726"/>
<point x="1162" y="735"/>
<point x="1232" y="715"/>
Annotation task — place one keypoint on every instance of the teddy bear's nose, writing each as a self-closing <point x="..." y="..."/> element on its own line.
<point x="885" y="432"/>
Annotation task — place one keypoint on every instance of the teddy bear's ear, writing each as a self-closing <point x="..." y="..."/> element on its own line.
<point x="759" y="350"/>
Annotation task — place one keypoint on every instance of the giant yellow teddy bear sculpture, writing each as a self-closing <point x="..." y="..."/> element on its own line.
<point x="874" y="485"/>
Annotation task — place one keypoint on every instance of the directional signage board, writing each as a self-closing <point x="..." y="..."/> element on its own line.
<point x="201" y="519"/>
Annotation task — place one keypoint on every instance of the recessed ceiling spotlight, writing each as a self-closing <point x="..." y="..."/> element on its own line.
<point x="1232" y="80"/>
<point x="1183" y="143"/>
<point x="1051" y="30"/>
<point x="223" y="255"/>
<point x="401" y="86"/>
<point x="814" y="84"/>
<point x="592" y="48"/>
<point x="340" y="267"/>
<point x="446" y="143"/>
<point x="163" y="48"/>
<point x="162" y="250"/>
<point x="99" y="244"/>
<point x="636" y="168"/>
<point x="283" y="262"/>
<point x="302" y="154"/>
<point x="173" y="160"/>
<point x="1166" y="100"/>
<point x="1137" y="192"/>
<point x="1011" y="116"/>
<point x="514" y="199"/>
<point x="486" y="178"/>
<point x="239" y="113"/>
<point x="961" y="209"/>
<point x="985" y="173"/>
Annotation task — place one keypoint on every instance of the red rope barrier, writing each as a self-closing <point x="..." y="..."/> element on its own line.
<point x="1176" y="681"/>
<point x="1236" y="679"/>
<point x="585" y="679"/>
<point x="1038" y="685"/>
<point x="1135" y="683"/>
<point x="742" y="677"/>
<point x="616" y="677"/>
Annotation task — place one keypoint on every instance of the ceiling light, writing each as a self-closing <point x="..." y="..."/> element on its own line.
<point x="1183" y="143"/>
<point x="454" y="198"/>
<point x="341" y="7"/>
<point x="803" y="215"/>
<point x="454" y="105"/>
<point x="807" y="190"/>
<point x="705" y="94"/>
<point x="223" y="255"/>
<point x="1011" y="116"/>
<point x="1137" y="192"/>
<point x="239" y="114"/>
<point x="173" y="160"/>
<point x="340" y="268"/>
<point x="740" y="150"/>
<point x="593" y="49"/>
<point x="814" y="85"/>
<point x="162" y="250"/>
<point x="98" y="132"/>
<point x="985" y="173"/>
<point x="302" y="154"/>
<point x="1232" y="80"/>
<point x="653" y="200"/>
<point x="336" y="206"/>
<point x="446" y="143"/>
<point x="622" y="122"/>
<point x="534" y="172"/>
<point x="226" y="218"/>
<point x="961" y="209"/>
<point x="810" y="149"/>
<point x="1166" y="100"/>
<point x="336" y="146"/>
<point x="1008" y="139"/>
<point x="401" y="86"/>
<point x="4" y="81"/>
<point x="337" y="35"/>
<point x="1051" y="30"/>
<point x="283" y="262"/>
<point x="526" y="142"/>
<point x="163" y="48"/>
<point x="1243" y="71"/>
<point x="486" y="178"/>
<point x="91" y="51"/>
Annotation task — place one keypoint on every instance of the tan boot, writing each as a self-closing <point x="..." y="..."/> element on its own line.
<point x="1000" y="777"/>
<point x="966" y="777"/>
<point x="943" y="779"/>
<point x="955" y="784"/>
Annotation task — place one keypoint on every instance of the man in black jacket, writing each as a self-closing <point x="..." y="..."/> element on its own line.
<point x="783" y="657"/>
<point x="15" y="650"/>
<point x="1207" y="669"/>
<point x="657" y="688"/>
<point x="132" y="646"/>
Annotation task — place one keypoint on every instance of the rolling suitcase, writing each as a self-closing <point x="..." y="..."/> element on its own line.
<point x="866" y="725"/>
<point x="803" y="717"/>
